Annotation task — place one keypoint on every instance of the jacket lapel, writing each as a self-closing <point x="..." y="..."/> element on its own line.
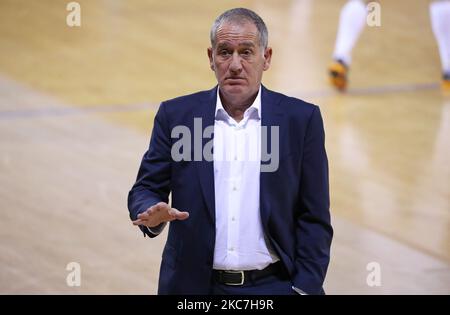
<point x="271" y="116"/>
<point x="205" y="169"/>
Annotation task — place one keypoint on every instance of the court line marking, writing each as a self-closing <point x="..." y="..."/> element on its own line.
<point x="70" y="111"/>
<point x="113" y="108"/>
<point x="373" y="90"/>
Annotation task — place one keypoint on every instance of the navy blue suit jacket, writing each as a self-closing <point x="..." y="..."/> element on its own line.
<point x="294" y="200"/>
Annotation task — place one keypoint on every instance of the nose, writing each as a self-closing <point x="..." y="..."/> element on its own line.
<point x="235" y="65"/>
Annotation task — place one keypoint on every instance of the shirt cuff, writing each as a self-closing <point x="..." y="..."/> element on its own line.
<point x="157" y="229"/>
<point x="298" y="291"/>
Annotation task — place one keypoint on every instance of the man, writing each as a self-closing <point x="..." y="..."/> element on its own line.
<point x="239" y="225"/>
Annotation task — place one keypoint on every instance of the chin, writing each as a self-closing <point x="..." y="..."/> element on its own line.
<point x="234" y="89"/>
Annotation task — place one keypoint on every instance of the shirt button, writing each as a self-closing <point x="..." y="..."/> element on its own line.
<point x="231" y="249"/>
<point x="234" y="188"/>
<point x="233" y="219"/>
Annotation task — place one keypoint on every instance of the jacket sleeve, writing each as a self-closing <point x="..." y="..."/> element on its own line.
<point x="153" y="179"/>
<point x="313" y="227"/>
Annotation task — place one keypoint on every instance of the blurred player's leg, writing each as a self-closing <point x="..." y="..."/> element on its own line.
<point x="440" y="21"/>
<point x="351" y="22"/>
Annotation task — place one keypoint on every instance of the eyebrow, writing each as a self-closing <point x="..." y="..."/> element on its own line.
<point x="244" y="44"/>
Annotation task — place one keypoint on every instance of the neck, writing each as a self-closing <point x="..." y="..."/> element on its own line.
<point x="235" y="107"/>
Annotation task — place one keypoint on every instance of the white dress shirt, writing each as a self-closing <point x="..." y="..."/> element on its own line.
<point x="240" y="240"/>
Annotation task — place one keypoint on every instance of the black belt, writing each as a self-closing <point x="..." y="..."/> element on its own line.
<point x="240" y="277"/>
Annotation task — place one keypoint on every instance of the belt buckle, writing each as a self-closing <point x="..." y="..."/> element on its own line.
<point x="242" y="277"/>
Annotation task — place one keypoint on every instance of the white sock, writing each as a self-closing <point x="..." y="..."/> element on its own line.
<point x="351" y="22"/>
<point x="440" y="22"/>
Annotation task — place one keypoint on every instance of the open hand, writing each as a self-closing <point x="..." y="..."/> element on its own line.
<point x="159" y="213"/>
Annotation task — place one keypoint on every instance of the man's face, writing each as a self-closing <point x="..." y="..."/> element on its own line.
<point x="238" y="60"/>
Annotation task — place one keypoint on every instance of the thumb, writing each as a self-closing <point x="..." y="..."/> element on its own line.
<point x="179" y="215"/>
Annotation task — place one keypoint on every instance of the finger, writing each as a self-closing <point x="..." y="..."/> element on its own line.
<point x="173" y="212"/>
<point x="143" y="216"/>
<point x="151" y="210"/>
<point x="138" y="222"/>
<point x="183" y="215"/>
<point x="160" y="206"/>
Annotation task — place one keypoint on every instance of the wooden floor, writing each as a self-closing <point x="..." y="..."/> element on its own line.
<point x="76" y="111"/>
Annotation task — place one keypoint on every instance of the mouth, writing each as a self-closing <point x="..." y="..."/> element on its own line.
<point x="235" y="80"/>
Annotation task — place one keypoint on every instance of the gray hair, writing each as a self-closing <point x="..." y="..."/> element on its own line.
<point x="241" y="15"/>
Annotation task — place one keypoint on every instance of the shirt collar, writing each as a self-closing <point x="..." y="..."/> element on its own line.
<point x="221" y="113"/>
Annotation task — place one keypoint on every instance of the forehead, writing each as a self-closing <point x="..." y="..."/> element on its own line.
<point x="237" y="33"/>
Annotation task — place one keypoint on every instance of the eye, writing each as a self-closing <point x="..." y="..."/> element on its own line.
<point x="224" y="52"/>
<point x="247" y="52"/>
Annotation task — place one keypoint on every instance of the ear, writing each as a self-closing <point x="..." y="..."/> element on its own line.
<point x="211" y="59"/>
<point x="267" y="58"/>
